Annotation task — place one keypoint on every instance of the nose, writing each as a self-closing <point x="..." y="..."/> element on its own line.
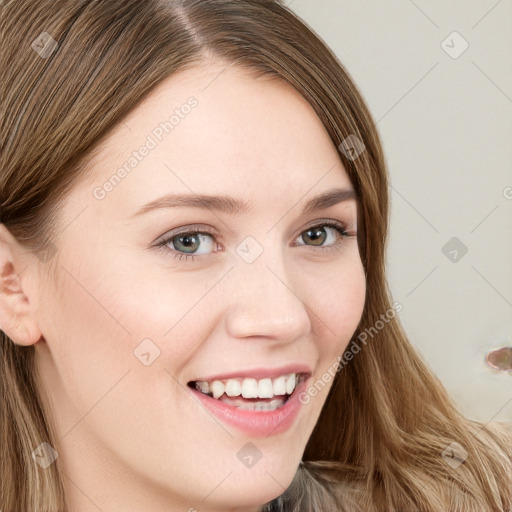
<point x="264" y="303"/>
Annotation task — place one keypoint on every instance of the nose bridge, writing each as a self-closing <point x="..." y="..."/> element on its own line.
<point x="264" y="299"/>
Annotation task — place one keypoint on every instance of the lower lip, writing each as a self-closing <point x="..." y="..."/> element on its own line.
<point x="256" y="423"/>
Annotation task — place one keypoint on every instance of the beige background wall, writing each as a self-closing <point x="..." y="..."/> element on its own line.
<point x="445" y="118"/>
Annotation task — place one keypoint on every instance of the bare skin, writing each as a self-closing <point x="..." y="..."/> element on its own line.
<point x="132" y="437"/>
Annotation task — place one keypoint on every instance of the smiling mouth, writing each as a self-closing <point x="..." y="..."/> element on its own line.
<point x="251" y="394"/>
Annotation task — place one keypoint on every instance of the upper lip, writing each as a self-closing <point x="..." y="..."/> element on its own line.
<point x="260" y="373"/>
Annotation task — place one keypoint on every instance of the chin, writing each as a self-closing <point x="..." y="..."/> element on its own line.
<point x="256" y="486"/>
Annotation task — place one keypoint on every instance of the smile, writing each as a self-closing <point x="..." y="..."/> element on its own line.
<point x="259" y="407"/>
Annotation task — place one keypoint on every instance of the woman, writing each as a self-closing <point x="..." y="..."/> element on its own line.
<point x="194" y="217"/>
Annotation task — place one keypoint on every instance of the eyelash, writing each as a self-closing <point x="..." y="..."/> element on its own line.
<point x="162" y="245"/>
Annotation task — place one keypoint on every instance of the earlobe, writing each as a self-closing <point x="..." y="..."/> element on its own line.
<point x="16" y="316"/>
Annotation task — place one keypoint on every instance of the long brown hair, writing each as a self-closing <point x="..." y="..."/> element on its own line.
<point x="71" y="71"/>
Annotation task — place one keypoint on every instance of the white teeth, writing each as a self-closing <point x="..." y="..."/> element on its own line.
<point x="240" y="403"/>
<point x="249" y="387"/>
<point x="263" y="406"/>
<point x="290" y="383"/>
<point x="279" y="385"/>
<point x="203" y="386"/>
<point x="217" y="388"/>
<point x="233" y="387"/>
<point x="265" y="388"/>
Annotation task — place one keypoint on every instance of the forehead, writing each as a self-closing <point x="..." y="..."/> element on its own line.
<point x="217" y="128"/>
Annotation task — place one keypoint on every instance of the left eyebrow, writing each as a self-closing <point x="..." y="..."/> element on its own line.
<point x="329" y="198"/>
<point x="234" y="206"/>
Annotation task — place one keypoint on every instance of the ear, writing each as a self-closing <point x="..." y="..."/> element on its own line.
<point x="16" y="317"/>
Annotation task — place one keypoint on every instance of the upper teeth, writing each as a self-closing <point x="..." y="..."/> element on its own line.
<point x="250" y="388"/>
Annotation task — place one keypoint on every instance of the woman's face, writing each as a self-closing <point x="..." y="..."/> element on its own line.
<point x="128" y="325"/>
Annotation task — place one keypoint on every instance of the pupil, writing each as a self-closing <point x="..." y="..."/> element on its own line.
<point x="187" y="241"/>
<point x="318" y="235"/>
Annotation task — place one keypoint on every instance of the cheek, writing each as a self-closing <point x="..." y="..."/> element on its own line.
<point x="339" y="304"/>
<point x="99" y="329"/>
<point x="336" y="304"/>
<point x="90" y="340"/>
<point x="175" y="311"/>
